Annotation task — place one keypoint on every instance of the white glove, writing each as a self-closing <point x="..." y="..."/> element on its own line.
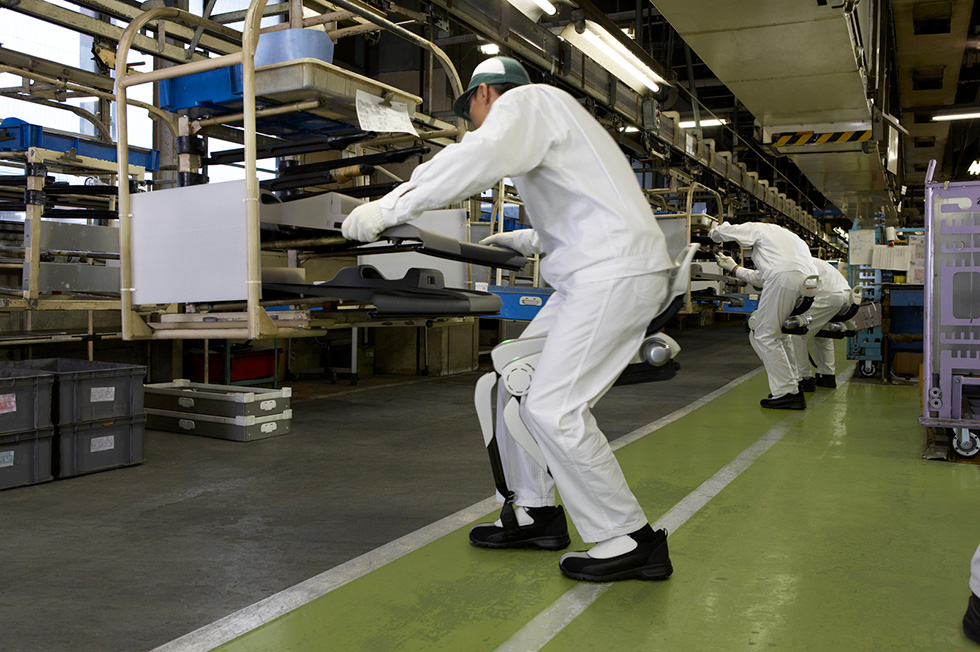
<point x="364" y="223"/>
<point x="524" y="241"/>
<point x="715" y="235"/>
<point x="727" y="263"/>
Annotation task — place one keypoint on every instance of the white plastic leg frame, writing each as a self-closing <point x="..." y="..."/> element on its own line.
<point x="514" y="361"/>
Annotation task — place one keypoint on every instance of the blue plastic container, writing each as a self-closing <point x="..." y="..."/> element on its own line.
<point x="220" y="90"/>
<point x="21" y="135"/>
<point x="520" y="303"/>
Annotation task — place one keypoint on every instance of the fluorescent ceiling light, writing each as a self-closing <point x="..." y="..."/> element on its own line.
<point x="690" y="124"/>
<point x="955" y="116"/>
<point x="534" y="9"/>
<point x="974" y="168"/>
<point x="612" y="55"/>
<point x="490" y="49"/>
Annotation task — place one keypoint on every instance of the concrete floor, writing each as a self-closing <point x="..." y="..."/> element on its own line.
<point x="132" y="558"/>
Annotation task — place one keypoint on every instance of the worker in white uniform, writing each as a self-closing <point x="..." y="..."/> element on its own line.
<point x="608" y="263"/>
<point x="784" y="261"/>
<point x="833" y="294"/>
<point x="971" y="619"/>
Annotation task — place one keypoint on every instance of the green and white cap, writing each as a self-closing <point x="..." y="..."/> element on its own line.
<point x="498" y="70"/>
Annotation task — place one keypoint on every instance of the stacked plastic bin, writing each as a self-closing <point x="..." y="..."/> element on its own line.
<point x="97" y="412"/>
<point x="25" y="427"/>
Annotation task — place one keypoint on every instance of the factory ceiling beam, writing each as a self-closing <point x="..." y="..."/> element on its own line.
<point x="94" y="27"/>
<point x="30" y="63"/>
<point x="222" y="40"/>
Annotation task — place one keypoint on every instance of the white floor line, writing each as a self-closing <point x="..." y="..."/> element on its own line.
<point x="549" y="623"/>
<point x="251" y="617"/>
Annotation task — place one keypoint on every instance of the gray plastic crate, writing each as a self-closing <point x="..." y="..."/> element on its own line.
<point x="216" y="400"/>
<point x="234" y="428"/>
<point x="25" y="457"/>
<point x="81" y="448"/>
<point x="25" y="399"/>
<point x="88" y="391"/>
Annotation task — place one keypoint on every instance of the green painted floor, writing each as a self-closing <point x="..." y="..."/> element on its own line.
<point x="838" y="538"/>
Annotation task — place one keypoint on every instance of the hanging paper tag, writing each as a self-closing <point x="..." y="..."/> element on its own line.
<point x="374" y="115"/>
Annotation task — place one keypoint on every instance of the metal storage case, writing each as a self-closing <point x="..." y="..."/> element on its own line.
<point x="221" y="411"/>
<point x="25" y="457"/>
<point x="90" y="391"/>
<point x="25" y="400"/>
<point x="98" y="445"/>
<point x="241" y="428"/>
<point x="216" y="400"/>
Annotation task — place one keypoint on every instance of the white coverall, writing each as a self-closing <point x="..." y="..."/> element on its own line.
<point x="784" y="261"/>
<point x="975" y="573"/>
<point x="608" y="262"/>
<point x="833" y="293"/>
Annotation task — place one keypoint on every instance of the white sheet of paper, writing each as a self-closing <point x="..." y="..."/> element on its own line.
<point x="860" y="245"/>
<point x="896" y="258"/>
<point x="373" y="116"/>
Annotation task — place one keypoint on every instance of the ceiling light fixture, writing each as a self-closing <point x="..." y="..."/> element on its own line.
<point x="612" y="55"/>
<point x="534" y="9"/>
<point x="490" y="49"/>
<point x="956" y="116"/>
<point x="974" y="168"/>
<point x="714" y="122"/>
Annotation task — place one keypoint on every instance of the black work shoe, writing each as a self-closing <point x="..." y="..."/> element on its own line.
<point x="548" y="531"/>
<point x="971" y="621"/>
<point x="826" y="380"/>
<point x="785" y="402"/>
<point x="648" y="561"/>
<point x="806" y="385"/>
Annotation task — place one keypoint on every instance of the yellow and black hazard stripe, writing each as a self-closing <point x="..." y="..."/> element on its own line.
<point x="795" y="138"/>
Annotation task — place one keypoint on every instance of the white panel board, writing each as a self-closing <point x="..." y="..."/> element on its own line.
<point x="189" y="244"/>
<point x="452" y="223"/>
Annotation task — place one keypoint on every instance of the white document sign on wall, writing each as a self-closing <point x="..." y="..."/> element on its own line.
<point x="860" y="247"/>
<point x="189" y="244"/>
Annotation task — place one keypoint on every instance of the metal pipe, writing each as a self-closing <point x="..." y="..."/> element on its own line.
<point x="304" y="105"/>
<point x="430" y="135"/>
<point x="308" y="242"/>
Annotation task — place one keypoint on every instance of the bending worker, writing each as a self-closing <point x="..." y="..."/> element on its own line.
<point x="833" y="294"/>
<point x="784" y="261"/>
<point x="608" y="263"/>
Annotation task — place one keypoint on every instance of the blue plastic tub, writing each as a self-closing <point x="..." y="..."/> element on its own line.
<point x="221" y="90"/>
<point x="21" y="135"/>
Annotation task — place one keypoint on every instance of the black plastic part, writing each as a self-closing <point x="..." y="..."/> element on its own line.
<point x="641" y="372"/>
<point x="191" y="145"/>
<point x="395" y="156"/>
<point x="802" y="306"/>
<point x="35" y="197"/>
<point x="377" y="190"/>
<point x="847" y="314"/>
<point x="35" y="170"/>
<point x="185" y="179"/>
<point x="661" y="320"/>
<point x="339" y="141"/>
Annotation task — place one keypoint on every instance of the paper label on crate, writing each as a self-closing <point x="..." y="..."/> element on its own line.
<point x="102" y="444"/>
<point x="6" y="458"/>
<point x="272" y="426"/>
<point x="265" y="406"/>
<point x="374" y="115"/>
<point x="102" y="394"/>
<point x="8" y="403"/>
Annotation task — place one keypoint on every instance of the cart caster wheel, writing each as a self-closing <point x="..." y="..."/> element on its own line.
<point x="965" y="446"/>
<point x="867" y="369"/>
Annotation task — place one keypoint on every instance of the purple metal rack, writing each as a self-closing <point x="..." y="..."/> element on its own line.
<point x="951" y="364"/>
